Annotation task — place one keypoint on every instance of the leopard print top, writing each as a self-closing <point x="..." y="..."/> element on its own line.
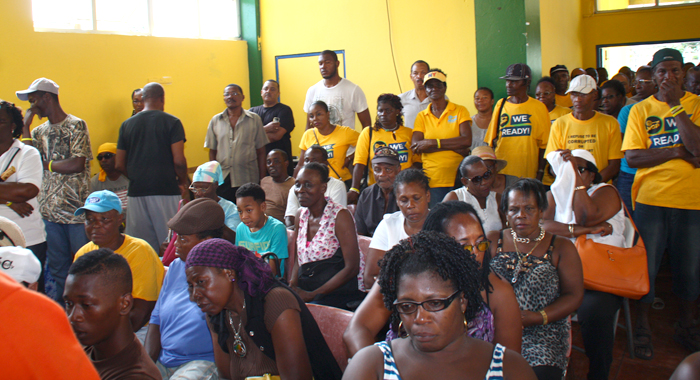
<point x="535" y="281"/>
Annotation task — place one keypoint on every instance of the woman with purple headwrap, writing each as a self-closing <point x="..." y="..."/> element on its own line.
<point x="259" y="325"/>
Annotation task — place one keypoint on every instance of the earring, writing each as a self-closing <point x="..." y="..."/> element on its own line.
<point x="233" y="280"/>
<point x="466" y="325"/>
<point x="405" y="334"/>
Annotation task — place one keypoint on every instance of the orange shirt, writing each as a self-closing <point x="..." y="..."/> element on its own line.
<point x="38" y="342"/>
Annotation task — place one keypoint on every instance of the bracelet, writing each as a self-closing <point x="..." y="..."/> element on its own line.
<point x="50" y="162"/>
<point x="677" y="110"/>
<point x="571" y="230"/>
<point x="26" y="139"/>
<point x="580" y="188"/>
<point x="439" y="145"/>
<point x="541" y="171"/>
<point x="355" y="190"/>
<point x="544" y="317"/>
<point x="8" y="204"/>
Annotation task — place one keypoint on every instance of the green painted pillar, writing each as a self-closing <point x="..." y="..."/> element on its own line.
<point x="250" y="32"/>
<point x="507" y="32"/>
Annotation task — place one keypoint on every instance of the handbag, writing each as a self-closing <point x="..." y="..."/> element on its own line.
<point x="616" y="270"/>
<point x="314" y="274"/>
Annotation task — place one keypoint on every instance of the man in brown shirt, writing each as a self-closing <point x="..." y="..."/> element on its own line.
<point x="277" y="184"/>
<point x="98" y="303"/>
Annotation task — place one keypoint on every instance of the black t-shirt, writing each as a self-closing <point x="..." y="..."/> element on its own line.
<point x="147" y="138"/>
<point x="286" y="121"/>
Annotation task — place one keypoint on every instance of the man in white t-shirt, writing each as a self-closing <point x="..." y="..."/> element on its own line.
<point x="344" y="98"/>
<point x="335" y="190"/>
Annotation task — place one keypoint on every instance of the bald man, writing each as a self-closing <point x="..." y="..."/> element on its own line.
<point x="98" y="303"/>
<point x="151" y="153"/>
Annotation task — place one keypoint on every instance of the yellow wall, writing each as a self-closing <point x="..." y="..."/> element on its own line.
<point x="629" y="27"/>
<point x="96" y="74"/>
<point x="360" y="28"/>
<point x="560" y="31"/>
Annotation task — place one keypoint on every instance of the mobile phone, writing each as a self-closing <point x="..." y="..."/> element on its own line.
<point x="275" y="119"/>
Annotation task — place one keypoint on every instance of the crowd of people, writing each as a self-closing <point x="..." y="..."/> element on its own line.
<point x="452" y="237"/>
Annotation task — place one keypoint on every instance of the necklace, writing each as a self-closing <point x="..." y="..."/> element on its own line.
<point x="523" y="265"/>
<point x="526" y="240"/>
<point x="238" y="345"/>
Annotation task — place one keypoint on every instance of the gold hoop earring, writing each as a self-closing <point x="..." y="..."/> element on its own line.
<point x="405" y="334"/>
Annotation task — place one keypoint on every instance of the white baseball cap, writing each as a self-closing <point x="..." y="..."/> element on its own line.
<point x="586" y="155"/>
<point x="11" y="234"/>
<point x="20" y="264"/>
<point x="41" y="84"/>
<point x="583" y="84"/>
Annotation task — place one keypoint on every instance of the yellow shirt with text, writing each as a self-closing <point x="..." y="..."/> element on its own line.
<point x="147" y="270"/>
<point x="522" y="130"/>
<point x="399" y="140"/>
<point x="600" y="135"/>
<point x="673" y="184"/>
<point x="336" y="144"/>
<point x="441" y="167"/>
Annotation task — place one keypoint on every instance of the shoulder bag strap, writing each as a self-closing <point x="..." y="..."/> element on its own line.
<point x="329" y="164"/>
<point x="498" y="123"/>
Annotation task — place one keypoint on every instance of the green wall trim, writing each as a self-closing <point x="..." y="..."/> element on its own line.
<point x="503" y="38"/>
<point x="250" y="32"/>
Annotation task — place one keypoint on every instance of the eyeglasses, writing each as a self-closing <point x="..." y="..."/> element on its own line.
<point x="582" y="169"/>
<point x="644" y="81"/>
<point x="541" y="94"/>
<point x="105" y="156"/>
<point x="481" y="246"/>
<point x="199" y="190"/>
<point x="477" y="180"/>
<point x="437" y="304"/>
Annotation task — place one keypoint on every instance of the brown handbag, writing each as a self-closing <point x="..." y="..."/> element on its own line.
<point x="616" y="270"/>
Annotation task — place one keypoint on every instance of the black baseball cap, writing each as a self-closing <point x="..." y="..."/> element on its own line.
<point x="386" y="155"/>
<point x="666" y="54"/>
<point x="557" y="68"/>
<point x="517" y="71"/>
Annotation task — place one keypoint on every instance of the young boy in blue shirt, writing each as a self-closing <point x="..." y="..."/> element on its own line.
<point x="258" y="232"/>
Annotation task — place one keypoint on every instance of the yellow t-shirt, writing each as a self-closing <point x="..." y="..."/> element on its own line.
<point x="674" y="183"/>
<point x="336" y="144"/>
<point x="599" y="135"/>
<point x="146" y="268"/>
<point x="522" y="130"/>
<point x="441" y="167"/>
<point x="564" y="101"/>
<point x="399" y="140"/>
<point x="557" y="112"/>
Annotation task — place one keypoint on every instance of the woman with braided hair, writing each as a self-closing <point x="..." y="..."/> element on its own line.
<point x="431" y="285"/>
<point x="258" y="325"/>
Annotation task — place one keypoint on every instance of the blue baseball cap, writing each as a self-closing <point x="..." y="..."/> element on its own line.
<point x="101" y="201"/>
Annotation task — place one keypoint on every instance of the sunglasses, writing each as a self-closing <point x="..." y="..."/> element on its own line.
<point x="481" y="246"/>
<point x="477" y="180"/>
<point x="583" y="169"/>
<point x="105" y="156"/>
<point x="433" y="305"/>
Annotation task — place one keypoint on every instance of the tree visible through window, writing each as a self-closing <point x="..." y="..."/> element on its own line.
<point x="209" y="19"/>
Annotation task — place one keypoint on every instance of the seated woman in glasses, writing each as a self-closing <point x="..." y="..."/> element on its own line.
<point x="498" y="321"/>
<point x="431" y="285"/>
<point x="478" y="192"/>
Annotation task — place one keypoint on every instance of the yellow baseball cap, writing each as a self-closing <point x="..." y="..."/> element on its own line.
<point x="435" y="75"/>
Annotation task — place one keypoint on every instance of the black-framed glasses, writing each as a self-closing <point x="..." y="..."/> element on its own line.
<point x="582" y="169"/>
<point x="433" y="305"/>
<point x="477" y="180"/>
<point x="481" y="246"/>
<point x="105" y="156"/>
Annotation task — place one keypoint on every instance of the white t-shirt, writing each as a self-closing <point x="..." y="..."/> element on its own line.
<point x="344" y="100"/>
<point x="335" y="191"/>
<point x="29" y="169"/>
<point x="389" y="232"/>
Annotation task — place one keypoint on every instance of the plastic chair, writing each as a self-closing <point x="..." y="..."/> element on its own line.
<point x="332" y="322"/>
